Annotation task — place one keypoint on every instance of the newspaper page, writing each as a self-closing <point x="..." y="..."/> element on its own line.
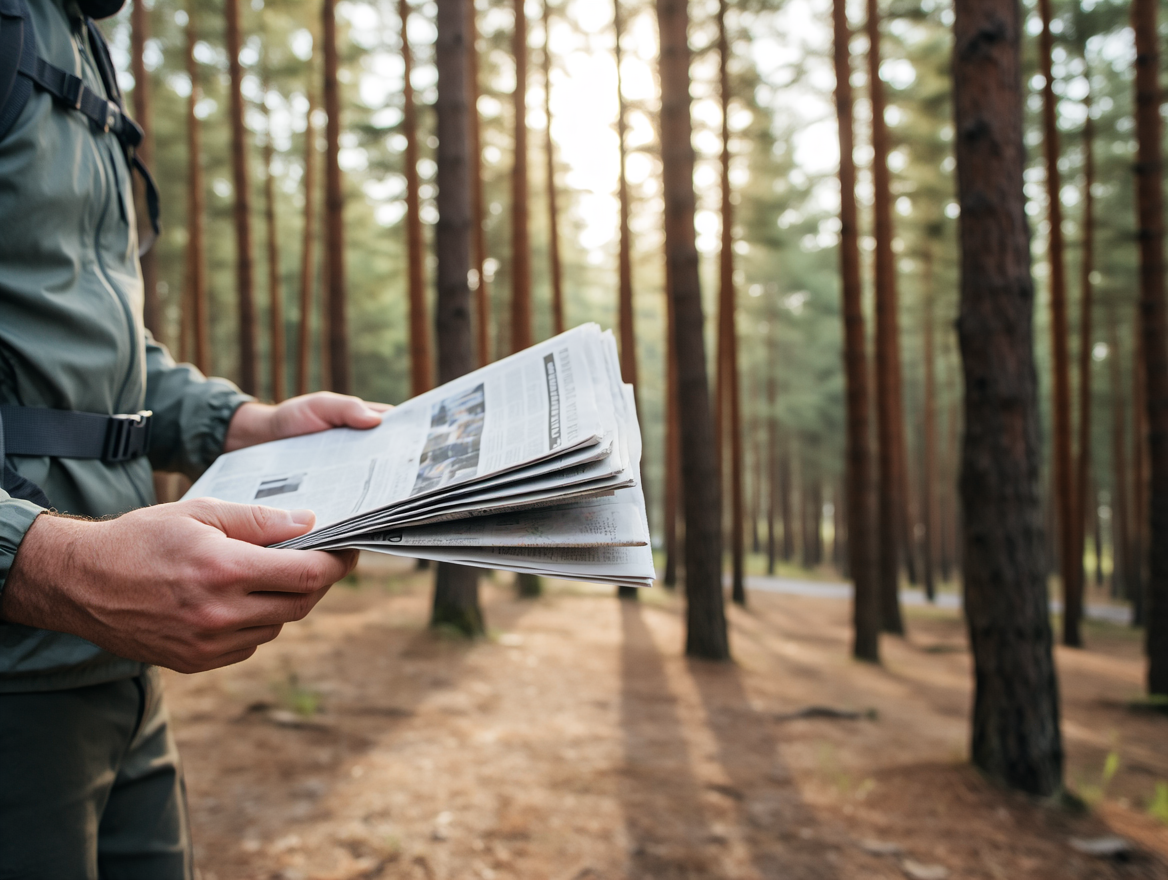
<point x="534" y="405"/>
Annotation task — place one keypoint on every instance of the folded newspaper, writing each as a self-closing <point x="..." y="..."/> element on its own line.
<point x="530" y="464"/>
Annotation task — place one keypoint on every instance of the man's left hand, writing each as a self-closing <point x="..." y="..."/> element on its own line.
<point x="255" y="423"/>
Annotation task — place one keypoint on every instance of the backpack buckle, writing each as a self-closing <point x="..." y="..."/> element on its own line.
<point x="127" y="437"/>
<point x="72" y="90"/>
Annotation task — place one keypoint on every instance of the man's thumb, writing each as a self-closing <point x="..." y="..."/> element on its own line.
<point x="254" y="523"/>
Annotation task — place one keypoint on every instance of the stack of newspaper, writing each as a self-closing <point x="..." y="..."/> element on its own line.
<point x="530" y="464"/>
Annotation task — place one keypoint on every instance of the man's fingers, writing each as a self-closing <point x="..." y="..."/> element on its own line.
<point x="251" y="523"/>
<point x="350" y="412"/>
<point x="271" y="608"/>
<point x="263" y="570"/>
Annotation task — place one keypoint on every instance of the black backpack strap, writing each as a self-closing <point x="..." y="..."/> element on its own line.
<point x="13" y="483"/>
<point x="21" y="68"/>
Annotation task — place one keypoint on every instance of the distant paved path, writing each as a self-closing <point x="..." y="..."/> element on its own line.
<point x="1118" y="614"/>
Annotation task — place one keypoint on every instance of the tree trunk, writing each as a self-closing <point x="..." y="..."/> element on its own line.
<point x="1015" y="735"/>
<point x="929" y="467"/>
<point x="334" y="200"/>
<point x="706" y="634"/>
<point x="1139" y="536"/>
<point x="307" y="267"/>
<point x="275" y="292"/>
<point x="456" y="598"/>
<point x="521" y="333"/>
<point x="558" y="325"/>
<point x="143" y="115"/>
<point x="729" y="417"/>
<point x="890" y="498"/>
<point x="479" y="239"/>
<point x="1084" y="505"/>
<point x="244" y="280"/>
<point x="866" y="605"/>
<point x="772" y="465"/>
<point x="196" y="248"/>
<point x="1120" y="501"/>
<point x="1070" y="567"/>
<point x="1154" y="330"/>
<point x="421" y="369"/>
<point x="785" y="503"/>
<point x="672" y="497"/>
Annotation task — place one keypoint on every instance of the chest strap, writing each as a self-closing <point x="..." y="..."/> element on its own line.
<point x="59" y="433"/>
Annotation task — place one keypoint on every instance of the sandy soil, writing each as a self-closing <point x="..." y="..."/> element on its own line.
<point x="577" y="742"/>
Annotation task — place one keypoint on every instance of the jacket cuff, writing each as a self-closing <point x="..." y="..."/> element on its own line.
<point x="205" y="438"/>
<point x="16" y="518"/>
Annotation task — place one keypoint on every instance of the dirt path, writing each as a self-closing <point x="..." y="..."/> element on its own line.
<point x="578" y="743"/>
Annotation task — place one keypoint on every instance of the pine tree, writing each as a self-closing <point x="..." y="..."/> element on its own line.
<point x="1153" y="328"/>
<point x="554" y="268"/>
<point x="196" y="280"/>
<point x="144" y="116"/>
<point x="420" y="366"/>
<point x="275" y="290"/>
<point x="1083" y="501"/>
<point x="456" y="591"/>
<point x="1015" y="735"/>
<point x="336" y="297"/>
<point x="482" y="297"/>
<point x="706" y="634"/>
<point x="307" y="261"/>
<point x="866" y="605"/>
<point x="244" y="273"/>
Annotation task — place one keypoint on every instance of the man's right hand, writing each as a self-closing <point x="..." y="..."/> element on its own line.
<point x="190" y="586"/>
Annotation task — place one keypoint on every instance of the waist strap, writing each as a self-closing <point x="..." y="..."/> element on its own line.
<point x="60" y="433"/>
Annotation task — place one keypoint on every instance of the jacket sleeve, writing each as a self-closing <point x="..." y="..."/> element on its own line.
<point x="191" y="412"/>
<point x="16" y="517"/>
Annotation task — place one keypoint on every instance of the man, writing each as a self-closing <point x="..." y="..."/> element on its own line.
<point x="94" y="597"/>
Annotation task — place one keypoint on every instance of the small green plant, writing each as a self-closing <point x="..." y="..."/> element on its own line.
<point x="1093" y="793"/>
<point x="1158" y="806"/>
<point x="296" y="697"/>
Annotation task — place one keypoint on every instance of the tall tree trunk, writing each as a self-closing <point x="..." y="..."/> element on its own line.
<point x="275" y="290"/>
<point x="144" y="116"/>
<point x="672" y="499"/>
<point x="890" y="497"/>
<point x="307" y="263"/>
<point x="456" y="591"/>
<point x="556" y="270"/>
<point x="1070" y="567"/>
<point x="1084" y="504"/>
<point x="1015" y="735"/>
<point x="196" y="253"/>
<point x="421" y="369"/>
<point x="244" y="273"/>
<point x="785" y="502"/>
<point x="706" y="634"/>
<point x="866" y="605"/>
<point x="1139" y="530"/>
<point x="1153" y="329"/>
<point x="929" y="468"/>
<point x="772" y="464"/>
<point x="1120" y="500"/>
<point x="334" y="200"/>
<point x="482" y="300"/>
<point x="729" y="417"/>
<point x="521" y="333"/>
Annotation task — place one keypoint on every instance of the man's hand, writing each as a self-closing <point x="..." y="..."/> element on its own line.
<point x="255" y="423"/>
<point x="189" y="586"/>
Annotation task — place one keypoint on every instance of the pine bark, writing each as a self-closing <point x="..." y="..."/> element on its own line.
<point x="785" y="503"/>
<point x="200" y="335"/>
<point x="672" y="499"/>
<point x="728" y="415"/>
<point x="1139" y="530"/>
<point x="866" y="604"/>
<point x="336" y="296"/>
<point x="144" y="116"/>
<point x="1015" y="729"/>
<point x="275" y="289"/>
<point x="421" y="368"/>
<point x="890" y="495"/>
<point x="628" y="337"/>
<point x="1153" y="330"/>
<point x="1120" y="500"/>
<point x="929" y="466"/>
<point x="307" y="253"/>
<point x="556" y="270"/>
<point x="482" y="300"/>
<point x="244" y="269"/>
<point x="521" y="333"/>
<point x="706" y="634"/>
<point x="1070" y="567"/>
<point x="772" y="466"/>
<point x="1084" y="504"/>
<point x="456" y="602"/>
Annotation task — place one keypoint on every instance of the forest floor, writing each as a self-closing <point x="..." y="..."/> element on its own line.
<point x="577" y="743"/>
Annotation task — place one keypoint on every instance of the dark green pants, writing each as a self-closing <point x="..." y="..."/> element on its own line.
<point x="90" y="785"/>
